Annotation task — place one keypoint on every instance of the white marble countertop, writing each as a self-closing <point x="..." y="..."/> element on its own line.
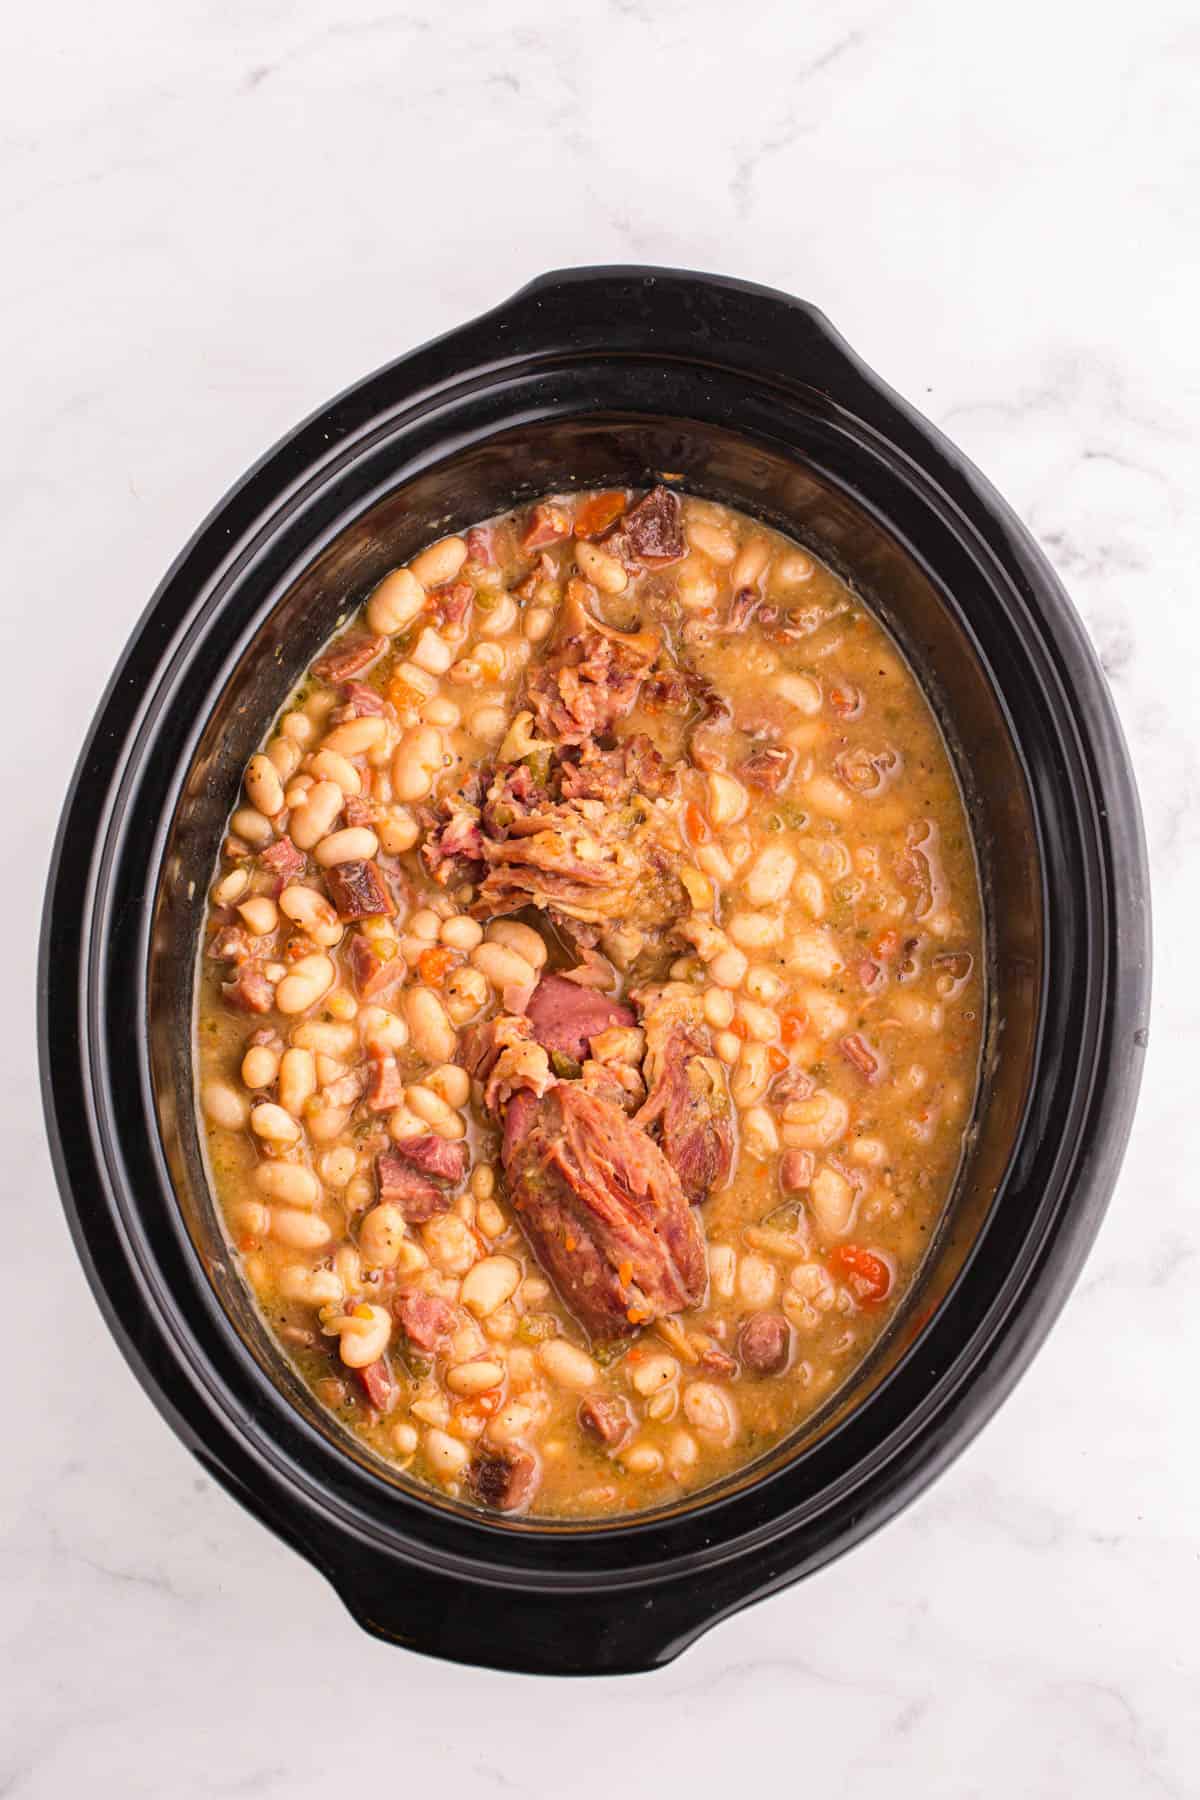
<point x="215" y="216"/>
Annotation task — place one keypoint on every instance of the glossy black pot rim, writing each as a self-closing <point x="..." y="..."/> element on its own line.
<point x="636" y="1593"/>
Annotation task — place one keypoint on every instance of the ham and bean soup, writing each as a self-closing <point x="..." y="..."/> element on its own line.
<point x="590" y="1011"/>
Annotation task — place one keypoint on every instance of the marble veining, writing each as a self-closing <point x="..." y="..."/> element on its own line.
<point x="214" y="218"/>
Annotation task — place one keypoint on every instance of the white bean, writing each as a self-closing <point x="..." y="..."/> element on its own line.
<point x="831" y="1198"/>
<point x="309" y="979"/>
<point x="501" y="966"/>
<point x="430" y="1032"/>
<point x="440" y="562"/>
<point x="264" y="789"/>
<point x="710" y="1411"/>
<point x="654" y="1372"/>
<point x="461" y="933"/>
<point x="419" y="756"/>
<point x="297" y="1080"/>
<point x="313" y="913"/>
<point x="273" y="1123"/>
<point x="489" y="1284"/>
<point x="527" y="942"/>
<point x="395" y="603"/>
<point x="800" y="691"/>
<point x="432" y="653"/>
<point x="567" y="1364"/>
<point x="752" y="1076"/>
<point x="754" y="930"/>
<point x="355" y="843"/>
<point x="752" y="560"/>
<point x="299" y="1230"/>
<point x="597" y="566"/>
<point x="252" y="826"/>
<point x="430" y="1107"/>
<point x="224" y="1105"/>
<point x="726" y="799"/>
<point x="363" y="1335"/>
<point x="770" y="875"/>
<point x="474" y="1377"/>
<point x="446" y="1455"/>
<point x="356" y="736"/>
<point x="451" y="1082"/>
<point x="381" y="1235"/>
<point x="314" y="818"/>
<point x="331" y="765"/>
<point x="288" y="1182"/>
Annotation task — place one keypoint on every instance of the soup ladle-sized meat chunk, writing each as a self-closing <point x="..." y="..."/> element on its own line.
<point x="687" y="1097"/>
<point x="604" y="1212"/>
<point x="591" y="677"/>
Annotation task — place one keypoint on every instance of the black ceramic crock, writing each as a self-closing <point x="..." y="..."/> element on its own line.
<point x="598" y="376"/>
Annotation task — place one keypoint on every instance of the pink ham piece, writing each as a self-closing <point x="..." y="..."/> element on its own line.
<point x="566" y="1017"/>
<point x="423" y="1318"/>
<point x="379" y="1385"/>
<point x="363" y="701"/>
<point x="283" y="860"/>
<point x="349" y="657"/>
<point x="401" y="1185"/>
<point x="438" y="1156"/>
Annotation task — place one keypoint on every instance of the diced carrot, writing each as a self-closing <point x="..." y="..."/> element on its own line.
<point x="776" y="1059"/>
<point x="625" y="1274"/>
<point x="696" y="824"/>
<point x="403" y="696"/>
<point x="792" y="1026"/>
<point x="598" y="513"/>
<point x="436" y="964"/>
<point x="571" y="1243"/>
<point x="887" y="944"/>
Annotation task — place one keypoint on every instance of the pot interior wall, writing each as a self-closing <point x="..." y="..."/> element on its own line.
<point x="380" y="531"/>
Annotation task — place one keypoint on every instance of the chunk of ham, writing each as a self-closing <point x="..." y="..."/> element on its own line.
<point x="504" y="1479"/>
<point x="385" y="1084"/>
<point x="765" y="1343"/>
<point x="606" y="1418"/>
<point x="401" y="1185"/>
<point x="423" y="1318"/>
<point x="767" y="769"/>
<point x="358" y="892"/>
<point x="249" y="991"/>
<point x="372" y="972"/>
<point x="379" y="1385"/>
<point x="283" y="860"/>
<point x="349" y="657"/>
<point x="687" y="1097"/>
<point x="565" y="1016"/>
<point x="444" y="1158"/>
<point x="547" y="524"/>
<point x="654" y="528"/>
<point x="604" y="1212"/>
<point x="362" y="700"/>
<point x="591" y="677"/>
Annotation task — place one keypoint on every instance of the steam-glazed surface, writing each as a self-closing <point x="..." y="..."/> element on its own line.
<point x="590" y="1013"/>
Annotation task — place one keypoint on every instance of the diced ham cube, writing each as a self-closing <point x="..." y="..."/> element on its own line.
<point x="480" y="548"/>
<point x="442" y="1157"/>
<point x="795" y="1171"/>
<point x="363" y="701"/>
<point x="379" y="1385"/>
<point x="605" y="1418"/>
<point x="349" y="657"/>
<point x="400" y="1185"/>
<point x="423" y="1318"/>
<point x="371" y="972"/>
<point x="283" y="860"/>
<point x="547" y="524"/>
<point x="506" y="1480"/>
<point x="385" y="1084"/>
<point x="250" y="991"/>
<point x="358" y="892"/>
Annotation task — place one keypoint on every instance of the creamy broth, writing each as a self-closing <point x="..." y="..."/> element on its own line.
<point x="590" y="1014"/>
